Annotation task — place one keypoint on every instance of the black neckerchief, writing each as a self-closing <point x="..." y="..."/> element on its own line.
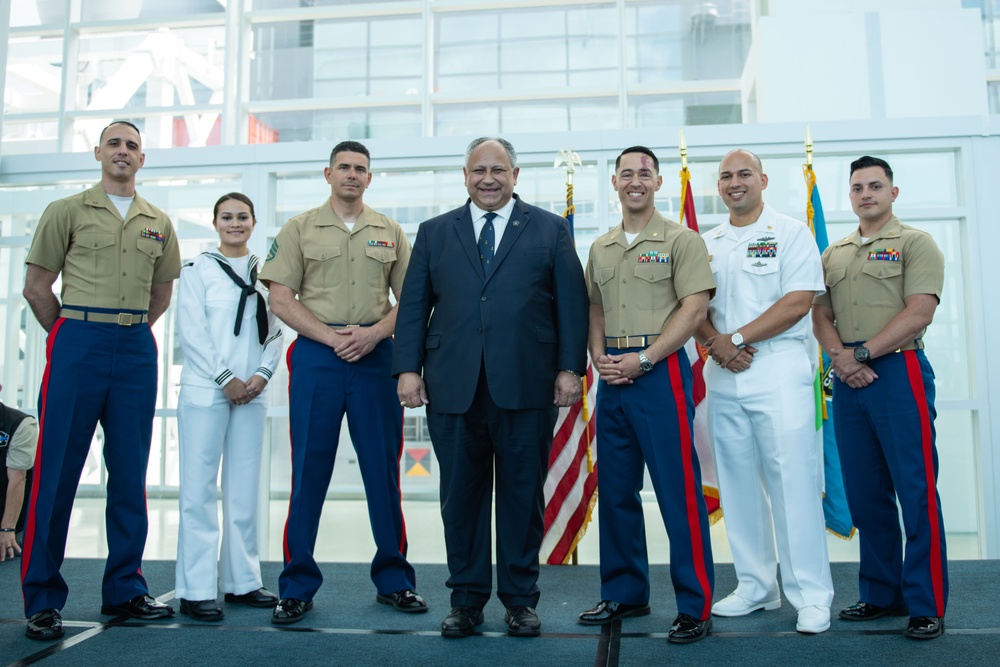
<point x="247" y="291"/>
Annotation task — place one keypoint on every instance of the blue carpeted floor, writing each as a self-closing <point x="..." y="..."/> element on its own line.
<point x="347" y="627"/>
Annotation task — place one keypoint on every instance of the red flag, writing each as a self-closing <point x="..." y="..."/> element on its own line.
<point x="698" y="354"/>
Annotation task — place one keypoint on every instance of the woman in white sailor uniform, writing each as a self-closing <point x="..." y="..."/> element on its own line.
<point x="232" y="343"/>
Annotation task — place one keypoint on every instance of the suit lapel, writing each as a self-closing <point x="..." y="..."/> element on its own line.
<point x="519" y="217"/>
<point x="467" y="237"/>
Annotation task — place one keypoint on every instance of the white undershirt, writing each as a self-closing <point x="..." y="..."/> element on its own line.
<point x="239" y="264"/>
<point x="630" y="238"/>
<point x="122" y="204"/>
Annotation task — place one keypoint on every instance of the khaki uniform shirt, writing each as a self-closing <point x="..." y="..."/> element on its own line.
<point x="641" y="286"/>
<point x="342" y="277"/>
<point x="867" y="283"/>
<point x="105" y="263"/>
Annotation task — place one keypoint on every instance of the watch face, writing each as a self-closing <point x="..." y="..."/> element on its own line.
<point x="861" y="354"/>
<point x="644" y="363"/>
<point x="737" y="339"/>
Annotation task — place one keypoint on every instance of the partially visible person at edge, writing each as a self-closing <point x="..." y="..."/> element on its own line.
<point x="18" y="442"/>
<point x="118" y="257"/>
<point x="649" y="282"/>
<point x="232" y="344"/>
<point x="330" y="272"/>
<point x="883" y="284"/>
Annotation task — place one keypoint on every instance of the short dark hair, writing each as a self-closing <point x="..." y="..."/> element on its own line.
<point x="238" y="196"/>
<point x="638" y="149"/>
<point x="866" y="161"/>
<point x="507" y="146"/>
<point x="350" y="147"/>
<point x="118" y="122"/>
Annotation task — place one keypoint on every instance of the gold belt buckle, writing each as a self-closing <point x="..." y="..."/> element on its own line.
<point x="125" y="319"/>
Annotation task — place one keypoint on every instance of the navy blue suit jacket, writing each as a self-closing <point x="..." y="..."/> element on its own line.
<point x="527" y="319"/>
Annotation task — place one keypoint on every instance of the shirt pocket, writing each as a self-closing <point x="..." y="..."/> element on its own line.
<point x="377" y="270"/>
<point x="653" y="285"/>
<point x="98" y="253"/>
<point x="603" y="277"/>
<point x="840" y="294"/>
<point x="320" y="268"/>
<point x="762" y="278"/>
<point x="149" y="250"/>
<point x="883" y="284"/>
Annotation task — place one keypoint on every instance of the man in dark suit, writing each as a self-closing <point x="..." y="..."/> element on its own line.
<point x="499" y="331"/>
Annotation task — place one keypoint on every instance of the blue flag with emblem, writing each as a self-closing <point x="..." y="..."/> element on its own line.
<point x="835" y="510"/>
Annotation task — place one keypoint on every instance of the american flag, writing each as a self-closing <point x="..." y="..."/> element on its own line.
<point x="571" y="485"/>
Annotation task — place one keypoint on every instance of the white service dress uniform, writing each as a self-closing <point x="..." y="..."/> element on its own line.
<point x="211" y="427"/>
<point x="762" y="421"/>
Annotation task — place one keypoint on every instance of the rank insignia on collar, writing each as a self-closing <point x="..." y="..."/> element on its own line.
<point x="884" y="255"/>
<point x="654" y="257"/>
<point x="763" y="249"/>
<point x="381" y="244"/>
<point x="154" y="234"/>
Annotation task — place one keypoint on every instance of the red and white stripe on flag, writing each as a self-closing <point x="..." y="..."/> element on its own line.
<point x="571" y="485"/>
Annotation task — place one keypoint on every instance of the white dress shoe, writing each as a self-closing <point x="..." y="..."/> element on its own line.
<point x="734" y="605"/>
<point x="813" y="619"/>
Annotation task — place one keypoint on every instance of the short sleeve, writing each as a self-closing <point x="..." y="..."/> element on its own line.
<point x="692" y="272"/>
<point x="284" y="264"/>
<point x="52" y="238"/>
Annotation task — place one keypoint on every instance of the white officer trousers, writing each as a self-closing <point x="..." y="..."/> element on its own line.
<point x="210" y="428"/>
<point x="768" y="459"/>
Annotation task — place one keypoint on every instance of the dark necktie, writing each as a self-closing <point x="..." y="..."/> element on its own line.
<point x="247" y="291"/>
<point x="487" y="240"/>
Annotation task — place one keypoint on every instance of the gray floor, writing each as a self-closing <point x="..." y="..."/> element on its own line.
<point x="347" y="627"/>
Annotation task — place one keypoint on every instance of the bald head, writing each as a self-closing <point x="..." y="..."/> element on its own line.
<point x="741" y="183"/>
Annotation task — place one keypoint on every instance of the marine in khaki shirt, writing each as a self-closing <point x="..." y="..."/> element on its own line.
<point x="650" y="283"/>
<point x="330" y="271"/>
<point x="869" y="281"/>
<point x="105" y="261"/>
<point x="883" y="285"/>
<point x="118" y="257"/>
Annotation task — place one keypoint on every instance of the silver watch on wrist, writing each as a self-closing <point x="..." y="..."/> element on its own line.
<point x="644" y="363"/>
<point x="737" y="339"/>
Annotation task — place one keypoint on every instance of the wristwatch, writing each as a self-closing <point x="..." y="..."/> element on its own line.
<point x="737" y="339"/>
<point x="862" y="355"/>
<point x="644" y="363"/>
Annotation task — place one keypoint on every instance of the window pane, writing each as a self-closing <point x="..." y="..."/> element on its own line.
<point x="34" y="74"/>
<point x="337" y="59"/>
<point x="526" y="49"/>
<point x="685" y="41"/>
<point x="103" y="10"/>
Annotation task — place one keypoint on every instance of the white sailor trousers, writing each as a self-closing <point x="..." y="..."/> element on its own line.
<point x="768" y="459"/>
<point x="212" y="428"/>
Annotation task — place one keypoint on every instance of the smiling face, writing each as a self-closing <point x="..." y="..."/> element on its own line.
<point x="489" y="177"/>
<point x="348" y="176"/>
<point x="235" y="222"/>
<point x="636" y="181"/>
<point x="120" y="153"/>
<point x="741" y="184"/>
<point x="872" y="195"/>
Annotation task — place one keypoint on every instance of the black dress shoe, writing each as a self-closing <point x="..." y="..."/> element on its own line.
<point x="45" y="625"/>
<point x="201" y="610"/>
<point x="522" y="622"/>
<point x="925" y="627"/>
<point x="407" y="601"/>
<point x="862" y="611"/>
<point x="687" y="629"/>
<point x="259" y="598"/>
<point x="608" y="611"/>
<point x="142" y="607"/>
<point x="290" y="610"/>
<point x="461" y="622"/>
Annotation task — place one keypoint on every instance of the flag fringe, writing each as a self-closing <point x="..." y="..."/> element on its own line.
<point x="583" y="529"/>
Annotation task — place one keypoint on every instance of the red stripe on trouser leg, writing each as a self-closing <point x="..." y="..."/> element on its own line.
<point x="29" y="532"/>
<point x="691" y="489"/>
<point x="927" y="447"/>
